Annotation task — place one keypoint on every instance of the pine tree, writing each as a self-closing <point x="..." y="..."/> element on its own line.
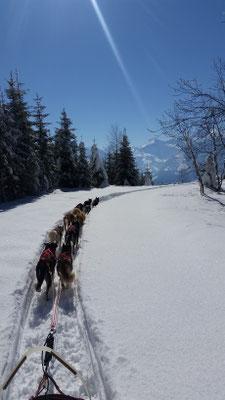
<point x="26" y="168"/>
<point x="99" y="176"/>
<point x="9" y="189"/>
<point x="126" y="171"/>
<point x="83" y="168"/>
<point x="141" y="178"/>
<point x="109" y="167"/>
<point x="52" y="163"/>
<point x="75" y="155"/>
<point x="111" y="162"/>
<point x="64" y="152"/>
<point x="43" y="145"/>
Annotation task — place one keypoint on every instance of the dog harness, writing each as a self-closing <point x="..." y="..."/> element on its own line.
<point x="58" y="229"/>
<point x="65" y="256"/>
<point x="74" y="227"/>
<point x="47" y="255"/>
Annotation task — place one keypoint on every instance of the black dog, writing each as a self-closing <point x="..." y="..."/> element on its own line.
<point x="80" y="206"/>
<point x="72" y="235"/>
<point x="87" y="202"/>
<point x="87" y="208"/>
<point x="46" y="266"/>
<point x="95" y="202"/>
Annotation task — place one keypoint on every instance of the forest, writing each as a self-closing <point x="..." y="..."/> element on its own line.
<point x="32" y="160"/>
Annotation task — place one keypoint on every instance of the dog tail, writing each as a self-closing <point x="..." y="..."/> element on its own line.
<point x="68" y="276"/>
<point x="71" y="277"/>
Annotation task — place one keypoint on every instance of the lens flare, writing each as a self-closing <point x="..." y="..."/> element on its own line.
<point x="119" y="59"/>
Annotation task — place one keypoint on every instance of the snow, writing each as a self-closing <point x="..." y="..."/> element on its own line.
<point x="145" y="317"/>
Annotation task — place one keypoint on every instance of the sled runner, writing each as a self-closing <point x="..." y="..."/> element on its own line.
<point x="46" y="377"/>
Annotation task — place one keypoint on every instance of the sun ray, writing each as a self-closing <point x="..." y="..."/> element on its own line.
<point x="119" y="59"/>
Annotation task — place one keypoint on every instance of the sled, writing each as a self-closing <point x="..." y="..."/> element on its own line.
<point x="61" y="395"/>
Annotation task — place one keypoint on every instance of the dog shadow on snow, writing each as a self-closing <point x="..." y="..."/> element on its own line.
<point x="67" y="300"/>
<point x="42" y="309"/>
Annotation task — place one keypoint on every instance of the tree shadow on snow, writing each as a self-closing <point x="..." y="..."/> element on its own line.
<point x="8" y="205"/>
<point x="20" y="202"/>
<point x="209" y="198"/>
<point x="78" y="189"/>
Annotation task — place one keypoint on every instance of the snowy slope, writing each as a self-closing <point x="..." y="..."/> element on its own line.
<point x="146" y="316"/>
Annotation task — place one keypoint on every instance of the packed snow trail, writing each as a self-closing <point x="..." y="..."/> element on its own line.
<point x="72" y="340"/>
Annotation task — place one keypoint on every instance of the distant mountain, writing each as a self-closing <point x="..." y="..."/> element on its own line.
<point x="165" y="161"/>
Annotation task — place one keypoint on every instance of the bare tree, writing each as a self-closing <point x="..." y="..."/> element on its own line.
<point x="183" y="170"/>
<point x="114" y="138"/>
<point x="183" y="136"/>
<point x="196" y="124"/>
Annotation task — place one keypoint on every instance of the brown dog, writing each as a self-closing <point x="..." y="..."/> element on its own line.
<point x="65" y="266"/>
<point x="76" y="211"/>
<point x="79" y="216"/>
<point x="68" y="219"/>
<point x="72" y="234"/>
<point x="55" y="235"/>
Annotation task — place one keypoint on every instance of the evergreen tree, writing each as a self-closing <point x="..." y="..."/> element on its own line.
<point x="43" y="145"/>
<point x="9" y="188"/>
<point x="53" y="180"/>
<point x="64" y="152"/>
<point x="83" y="167"/>
<point x="115" y="160"/>
<point x="26" y="168"/>
<point x="75" y="155"/>
<point x="126" y="171"/>
<point x="115" y="137"/>
<point x="109" y="167"/>
<point x="141" y="178"/>
<point x="99" y="176"/>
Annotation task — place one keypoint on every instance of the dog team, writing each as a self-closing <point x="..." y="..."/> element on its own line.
<point x="72" y="223"/>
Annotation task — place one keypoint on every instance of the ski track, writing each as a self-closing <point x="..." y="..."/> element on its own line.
<point x="74" y="339"/>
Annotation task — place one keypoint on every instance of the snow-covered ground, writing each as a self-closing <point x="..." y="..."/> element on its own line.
<point x="146" y="316"/>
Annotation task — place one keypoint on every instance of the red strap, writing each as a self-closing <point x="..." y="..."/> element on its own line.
<point x="54" y="315"/>
<point x="65" y="256"/>
<point x="47" y="255"/>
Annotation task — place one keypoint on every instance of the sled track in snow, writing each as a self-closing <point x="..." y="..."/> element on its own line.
<point x="71" y="342"/>
<point x="74" y="339"/>
<point x="19" y="321"/>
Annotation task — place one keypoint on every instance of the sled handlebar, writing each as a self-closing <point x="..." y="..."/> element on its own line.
<point x="54" y="354"/>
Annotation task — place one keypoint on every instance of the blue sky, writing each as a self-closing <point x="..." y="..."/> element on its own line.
<point x="109" y="61"/>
